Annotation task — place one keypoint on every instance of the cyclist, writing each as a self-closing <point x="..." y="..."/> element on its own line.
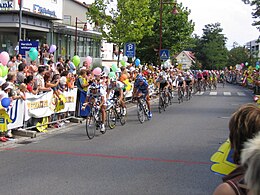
<point x="162" y="84"/>
<point x="96" y="93"/>
<point x="180" y="83"/>
<point x="189" y="82"/>
<point x="115" y="90"/>
<point x="141" y="88"/>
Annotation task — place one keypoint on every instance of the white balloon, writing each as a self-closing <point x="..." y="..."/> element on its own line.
<point x="125" y="58"/>
<point x="106" y="70"/>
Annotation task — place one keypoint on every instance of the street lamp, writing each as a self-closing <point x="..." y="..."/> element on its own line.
<point x="174" y="11"/>
<point x="85" y="28"/>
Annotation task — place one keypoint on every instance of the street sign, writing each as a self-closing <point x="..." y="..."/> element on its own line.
<point x="164" y="54"/>
<point x="130" y="50"/>
<point x="25" y="46"/>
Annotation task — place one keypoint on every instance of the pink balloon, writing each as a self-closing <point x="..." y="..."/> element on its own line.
<point x="4" y="58"/>
<point x="97" y="71"/>
<point x="89" y="60"/>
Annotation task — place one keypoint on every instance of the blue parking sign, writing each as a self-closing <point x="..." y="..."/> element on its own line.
<point x="130" y="50"/>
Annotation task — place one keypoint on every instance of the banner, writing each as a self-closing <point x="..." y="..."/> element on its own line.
<point x="16" y="114"/>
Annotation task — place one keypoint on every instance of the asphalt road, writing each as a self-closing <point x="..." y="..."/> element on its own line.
<point x="167" y="155"/>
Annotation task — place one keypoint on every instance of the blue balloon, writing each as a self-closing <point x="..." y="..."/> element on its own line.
<point x="5" y="102"/>
<point x="137" y="62"/>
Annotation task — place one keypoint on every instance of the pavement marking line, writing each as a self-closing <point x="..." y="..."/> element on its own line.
<point x="241" y="94"/>
<point x="110" y="156"/>
<point x="213" y="93"/>
<point x="227" y="93"/>
<point x="199" y="93"/>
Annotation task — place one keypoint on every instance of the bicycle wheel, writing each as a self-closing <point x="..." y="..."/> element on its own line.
<point x="140" y="113"/>
<point x="122" y="117"/>
<point x="90" y="127"/>
<point x="111" y="118"/>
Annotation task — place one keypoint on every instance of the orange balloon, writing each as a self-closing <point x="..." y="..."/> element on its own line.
<point x="123" y="77"/>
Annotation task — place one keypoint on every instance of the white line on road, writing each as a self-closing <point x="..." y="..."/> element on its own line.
<point x="241" y="94"/>
<point x="227" y="93"/>
<point x="213" y="93"/>
<point x="199" y="93"/>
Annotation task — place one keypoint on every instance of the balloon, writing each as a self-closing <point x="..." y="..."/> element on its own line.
<point x="137" y="62"/>
<point x="125" y="58"/>
<point x="4" y="58"/>
<point x="97" y="71"/>
<point x="33" y="54"/>
<point x="89" y="60"/>
<point x="112" y="75"/>
<point x="114" y="67"/>
<point x="0" y="72"/>
<point x="246" y="63"/>
<point x="5" y="102"/>
<point x="123" y="63"/>
<point x="52" y="48"/>
<point x="4" y="70"/>
<point x="76" y="60"/>
<point x="257" y="67"/>
<point x="106" y="70"/>
<point x="123" y="77"/>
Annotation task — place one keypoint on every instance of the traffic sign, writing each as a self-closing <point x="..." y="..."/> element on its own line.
<point x="164" y="54"/>
<point x="130" y="50"/>
<point x="25" y="46"/>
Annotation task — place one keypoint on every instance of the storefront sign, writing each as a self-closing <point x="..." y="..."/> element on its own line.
<point x="8" y="4"/>
<point x="26" y="46"/>
<point x="43" y="10"/>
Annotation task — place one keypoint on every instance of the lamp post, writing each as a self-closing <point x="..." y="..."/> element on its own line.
<point x="20" y="2"/>
<point x="85" y="28"/>
<point x="174" y="11"/>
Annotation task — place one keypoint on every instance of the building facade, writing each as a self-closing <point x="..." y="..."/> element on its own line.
<point x="253" y="47"/>
<point x="51" y="22"/>
<point x="185" y="59"/>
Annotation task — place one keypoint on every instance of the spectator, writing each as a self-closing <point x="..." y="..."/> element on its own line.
<point x="12" y="64"/>
<point x="40" y="80"/>
<point x="29" y="81"/>
<point x="250" y="159"/>
<point x="33" y="69"/>
<point x="243" y="125"/>
<point x="21" y="73"/>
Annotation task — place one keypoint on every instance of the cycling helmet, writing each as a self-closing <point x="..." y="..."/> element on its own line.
<point x="93" y="86"/>
<point x="161" y="74"/>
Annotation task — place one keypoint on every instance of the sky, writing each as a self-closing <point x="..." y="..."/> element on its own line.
<point x="233" y="15"/>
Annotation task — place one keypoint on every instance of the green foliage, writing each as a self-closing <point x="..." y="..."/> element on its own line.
<point x="211" y="50"/>
<point x="256" y="11"/>
<point x="176" y="32"/>
<point x="238" y="55"/>
<point x="128" y="22"/>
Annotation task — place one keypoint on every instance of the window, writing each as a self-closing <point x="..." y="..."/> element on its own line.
<point x="67" y="19"/>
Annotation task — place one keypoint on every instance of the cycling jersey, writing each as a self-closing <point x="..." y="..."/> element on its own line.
<point x="180" y="81"/>
<point x="163" y="83"/>
<point x="101" y="92"/>
<point x="141" y="88"/>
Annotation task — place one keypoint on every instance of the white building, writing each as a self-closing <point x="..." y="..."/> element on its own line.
<point x="254" y="46"/>
<point x="185" y="59"/>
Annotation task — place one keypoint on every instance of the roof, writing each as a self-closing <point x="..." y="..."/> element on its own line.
<point x="189" y="54"/>
<point x="82" y="4"/>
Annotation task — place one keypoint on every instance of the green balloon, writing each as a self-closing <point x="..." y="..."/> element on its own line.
<point x="4" y="70"/>
<point x="114" y="67"/>
<point x="257" y="67"/>
<point x="76" y="60"/>
<point x="123" y="63"/>
<point x="111" y="75"/>
<point x="33" y="54"/>
<point x="0" y="72"/>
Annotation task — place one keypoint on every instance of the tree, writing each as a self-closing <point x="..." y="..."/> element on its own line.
<point x="256" y="11"/>
<point x="128" y="21"/>
<point x="211" y="50"/>
<point x="176" y="32"/>
<point x="238" y="55"/>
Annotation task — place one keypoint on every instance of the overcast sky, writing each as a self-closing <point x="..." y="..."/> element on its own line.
<point x="233" y="15"/>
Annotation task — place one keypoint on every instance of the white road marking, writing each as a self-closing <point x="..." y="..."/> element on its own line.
<point x="241" y="94"/>
<point x="199" y="93"/>
<point x="213" y="93"/>
<point x="227" y="93"/>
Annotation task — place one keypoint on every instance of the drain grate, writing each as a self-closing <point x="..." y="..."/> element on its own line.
<point x="25" y="142"/>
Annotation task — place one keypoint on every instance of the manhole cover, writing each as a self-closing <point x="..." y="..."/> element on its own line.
<point x="25" y="142"/>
